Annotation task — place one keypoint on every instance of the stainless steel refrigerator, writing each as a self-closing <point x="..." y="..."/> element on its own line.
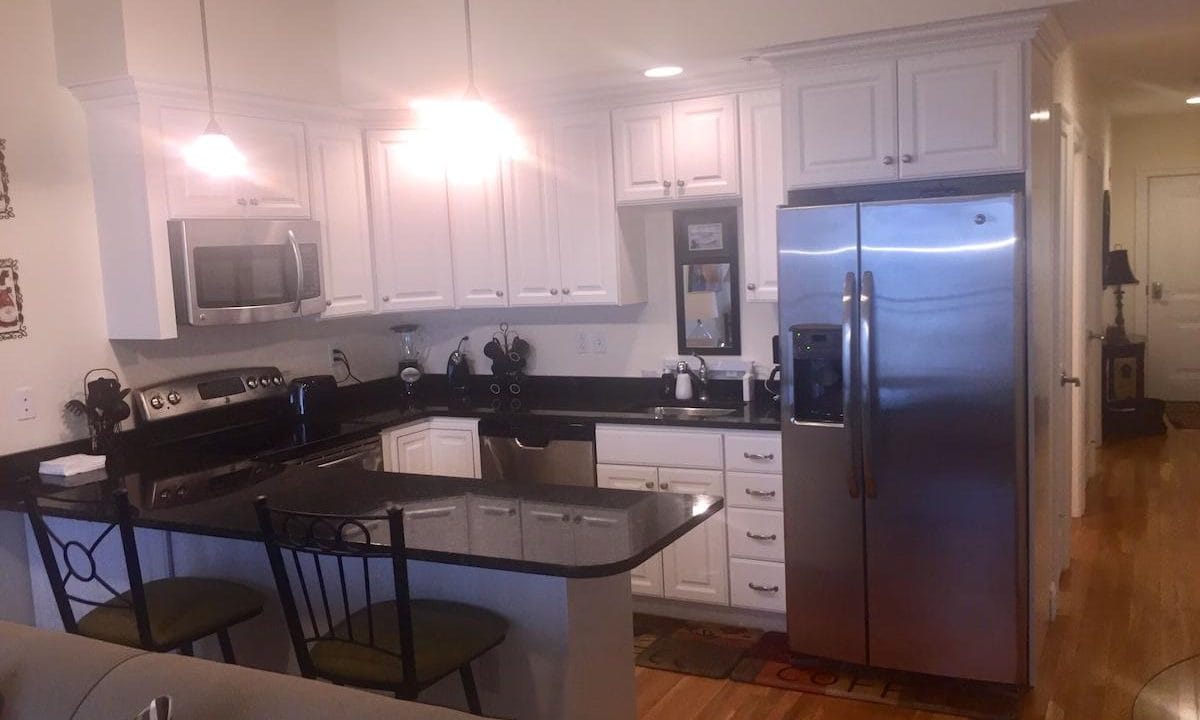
<point x="902" y="339"/>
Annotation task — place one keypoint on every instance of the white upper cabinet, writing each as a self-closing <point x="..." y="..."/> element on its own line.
<point x="531" y="225"/>
<point x="706" y="146"/>
<point x="411" y="223"/>
<point x="276" y="182"/>
<point x="644" y="152"/>
<point x="671" y="151"/>
<point x="477" y="241"/>
<point x="840" y="124"/>
<point x="960" y="111"/>
<point x="762" y="190"/>
<point x="339" y="203"/>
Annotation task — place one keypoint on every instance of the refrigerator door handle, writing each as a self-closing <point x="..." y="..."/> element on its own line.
<point x="849" y="286"/>
<point x="866" y="303"/>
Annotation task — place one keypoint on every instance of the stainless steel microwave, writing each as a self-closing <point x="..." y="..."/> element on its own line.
<point x="233" y="272"/>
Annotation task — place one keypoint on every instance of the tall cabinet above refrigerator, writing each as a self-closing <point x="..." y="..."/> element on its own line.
<point x="902" y="338"/>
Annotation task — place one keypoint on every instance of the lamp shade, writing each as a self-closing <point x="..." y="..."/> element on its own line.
<point x="700" y="306"/>
<point x="1117" y="270"/>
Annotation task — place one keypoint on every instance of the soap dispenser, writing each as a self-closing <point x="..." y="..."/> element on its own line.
<point x="683" y="381"/>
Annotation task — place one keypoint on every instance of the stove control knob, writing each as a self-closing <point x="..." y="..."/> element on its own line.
<point x="277" y="380"/>
<point x="264" y="381"/>
<point x="182" y="491"/>
<point x="164" y="494"/>
<point x="156" y="402"/>
<point x="251" y="382"/>
<point x="173" y="397"/>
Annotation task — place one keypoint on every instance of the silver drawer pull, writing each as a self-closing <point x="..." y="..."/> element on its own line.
<point x="758" y="456"/>
<point x="756" y="536"/>
<point x="496" y="510"/>
<point x="760" y="493"/>
<point x="431" y="513"/>
<point x="764" y="588"/>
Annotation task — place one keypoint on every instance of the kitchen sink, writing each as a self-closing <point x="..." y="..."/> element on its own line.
<point x="691" y="412"/>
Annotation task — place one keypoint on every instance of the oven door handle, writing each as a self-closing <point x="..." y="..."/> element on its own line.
<point x="299" y="269"/>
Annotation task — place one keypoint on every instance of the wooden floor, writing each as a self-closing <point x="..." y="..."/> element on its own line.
<point x="1130" y="606"/>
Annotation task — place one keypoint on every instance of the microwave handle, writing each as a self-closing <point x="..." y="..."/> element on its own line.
<point x="299" y="269"/>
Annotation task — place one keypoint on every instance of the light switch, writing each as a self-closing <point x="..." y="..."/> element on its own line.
<point x="599" y="342"/>
<point x="22" y="404"/>
<point x="582" y="344"/>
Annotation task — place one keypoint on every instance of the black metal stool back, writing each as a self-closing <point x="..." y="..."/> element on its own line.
<point x="303" y="541"/>
<point x="79" y="560"/>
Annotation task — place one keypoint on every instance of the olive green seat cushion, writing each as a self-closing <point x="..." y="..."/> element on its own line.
<point x="446" y="636"/>
<point x="181" y="610"/>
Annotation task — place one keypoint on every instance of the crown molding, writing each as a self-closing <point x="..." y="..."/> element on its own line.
<point x="1019" y="26"/>
<point x="1051" y="38"/>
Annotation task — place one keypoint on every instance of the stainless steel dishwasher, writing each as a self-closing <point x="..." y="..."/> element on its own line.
<point x="532" y="449"/>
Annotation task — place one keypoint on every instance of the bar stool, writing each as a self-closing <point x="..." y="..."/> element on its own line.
<point x="158" y="616"/>
<point x="401" y="645"/>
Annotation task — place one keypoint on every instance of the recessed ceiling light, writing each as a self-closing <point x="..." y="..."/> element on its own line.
<point x="1194" y="100"/>
<point x="663" y="71"/>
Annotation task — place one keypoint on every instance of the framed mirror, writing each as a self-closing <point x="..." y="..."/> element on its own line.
<point x="707" y="304"/>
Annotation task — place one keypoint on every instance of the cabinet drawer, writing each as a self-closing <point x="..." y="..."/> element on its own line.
<point x="641" y="445"/>
<point x="755" y="534"/>
<point x="757" y="585"/>
<point x="754" y="452"/>
<point x="754" y="490"/>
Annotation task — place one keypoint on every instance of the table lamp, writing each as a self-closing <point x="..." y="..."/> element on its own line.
<point x="1116" y="274"/>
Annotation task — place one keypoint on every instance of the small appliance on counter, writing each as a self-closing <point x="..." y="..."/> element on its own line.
<point x="104" y="407"/>
<point x="412" y="351"/>
<point x="509" y="357"/>
<point x="773" y="383"/>
<point x="458" y="371"/>
<point x="313" y="396"/>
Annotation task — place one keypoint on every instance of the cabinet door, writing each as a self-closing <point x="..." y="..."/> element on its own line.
<point x="547" y="533"/>
<point x="961" y="112"/>
<point x="437" y="525"/>
<point x="339" y="203"/>
<point x="494" y="526"/>
<point x="696" y="566"/>
<point x="647" y="578"/>
<point x="601" y="534"/>
<point x="761" y="129"/>
<point x="453" y="452"/>
<point x="644" y="156"/>
<point x="277" y="164"/>
<point x="530" y="224"/>
<point x="191" y="193"/>
<point x="839" y="124"/>
<point x="411" y="223"/>
<point x="706" y="146"/>
<point x="477" y="241"/>
<point x="585" y="210"/>
<point x="412" y="453"/>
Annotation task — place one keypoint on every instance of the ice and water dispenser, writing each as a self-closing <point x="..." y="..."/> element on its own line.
<point x="818" y="382"/>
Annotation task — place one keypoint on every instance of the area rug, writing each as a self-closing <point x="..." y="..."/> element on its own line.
<point x="1184" y="415"/>
<point x="695" y="648"/>
<point x="769" y="662"/>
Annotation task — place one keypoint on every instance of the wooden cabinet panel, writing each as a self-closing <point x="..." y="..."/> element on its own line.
<point x="412" y="453"/>
<point x="757" y="585"/>
<point x="696" y="566"/>
<point x="761" y="130"/>
<point x="339" y="203"/>
<point x="477" y="241"/>
<point x="277" y="160"/>
<point x="454" y="452"/>
<point x="754" y="452"/>
<point x="641" y="445"/>
<point x="644" y="152"/>
<point x="754" y="490"/>
<point x="585" y="210"/>
<point x="755" y="534"/>
<point x="437" y="524"/>
<point x="706" y="146"/>
<point x="531" y="223"/>
<point x="494" y="526"/>
<point x="548" y="535"/>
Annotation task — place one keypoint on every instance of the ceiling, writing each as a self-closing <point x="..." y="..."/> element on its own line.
<point x="1140" y="56"/>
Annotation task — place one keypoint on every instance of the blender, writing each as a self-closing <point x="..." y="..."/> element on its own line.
<point x="412" y="348"/>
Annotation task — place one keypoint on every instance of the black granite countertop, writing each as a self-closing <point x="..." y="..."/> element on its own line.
<point x="563" y="531"/>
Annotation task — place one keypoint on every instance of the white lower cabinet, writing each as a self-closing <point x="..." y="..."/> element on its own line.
<point x="569" y="535"/>
<point x="494" y="526"/>
<point x="437" y="524"/>
<point x="438" y="446"/>
<point x="757" y="585"/>
<point x="755" y="534"/>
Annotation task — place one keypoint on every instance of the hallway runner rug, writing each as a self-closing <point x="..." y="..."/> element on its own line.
<point x="1184" y="415"/>
<point x="769" y="662"/>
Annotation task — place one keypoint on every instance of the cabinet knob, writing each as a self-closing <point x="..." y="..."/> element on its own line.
<point x="328" y="303"/>
<point x="906" y="158"/>
<point x="751" y="286"/>
<point x="666" y="184"/>
<point x="680" y="183"/>
<point x="566" y="517"/>
<point x="649" y="484"/>
<point x="253" y="201"/>
<point x="664" y="485"/>
<point x="889" y="160"/>
<point x="553" y="291"/>
<point x="499" y="293"/>
<point x="241" y="201"/>
<point x="387" y="298"/>
<point x="566" y="291"/>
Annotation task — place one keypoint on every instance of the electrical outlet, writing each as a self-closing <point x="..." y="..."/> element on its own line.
<point x="22" y="404"/>
<point x="582" y="345"/>
<point x="599" y="342"/>
<point x="335" y="355"/>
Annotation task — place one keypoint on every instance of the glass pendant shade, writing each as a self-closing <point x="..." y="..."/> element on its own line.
<point x="214" y="154"/>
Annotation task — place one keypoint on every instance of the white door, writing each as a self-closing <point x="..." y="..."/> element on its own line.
<point x="600" y="535"/>
<point x="277" y="165"/>
<point x="477" y="241"/>
<point x="839" y="125"/>
<point x="696" y="566"/>
<point x="410" y="222"/>
<point x="761" y="129"/>
<point x="1173" y="281"/>
<point x="437" y="525"/>
<point x="454" y="452"/>
<point x="644" y="156"/>
<point x="706" y="146"/>
<point x="530" y="223"/>
<point x="647" y="578"/>
<point x="494" y="526"/>
<point x="960" y="112"/>
<point x="547" y="533"/>
<point x="1062" y="400"/>
<point x="191" y="193"/>
<point x="339" y="203"/>
<point x="412" y="453"/>
<point x="585" y="211"/>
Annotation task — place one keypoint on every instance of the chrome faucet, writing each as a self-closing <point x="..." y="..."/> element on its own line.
<point x="702" y="378"/>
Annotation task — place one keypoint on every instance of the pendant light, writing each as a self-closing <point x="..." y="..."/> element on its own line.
<point x="467" y="134"/>
<point x="213" y="153"/>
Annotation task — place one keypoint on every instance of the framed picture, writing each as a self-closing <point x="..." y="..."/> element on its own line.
<point x="6" y="210"/>
<point x="706" y="237"/>
<point x="12" y="305"/>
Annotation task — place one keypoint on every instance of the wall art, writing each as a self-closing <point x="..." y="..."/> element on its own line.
<point x="6" y="210"/>
<point x="12" y="307"/>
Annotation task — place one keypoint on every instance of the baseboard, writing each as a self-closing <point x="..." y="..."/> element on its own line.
<point x="699" y="612"/>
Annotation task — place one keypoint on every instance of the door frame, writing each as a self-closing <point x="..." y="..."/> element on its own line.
<point x="1062" y="456"/>
<point x="1139" y="310"/>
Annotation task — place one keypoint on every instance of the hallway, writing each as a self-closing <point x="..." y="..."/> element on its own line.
<point x="1130" y="606"/>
